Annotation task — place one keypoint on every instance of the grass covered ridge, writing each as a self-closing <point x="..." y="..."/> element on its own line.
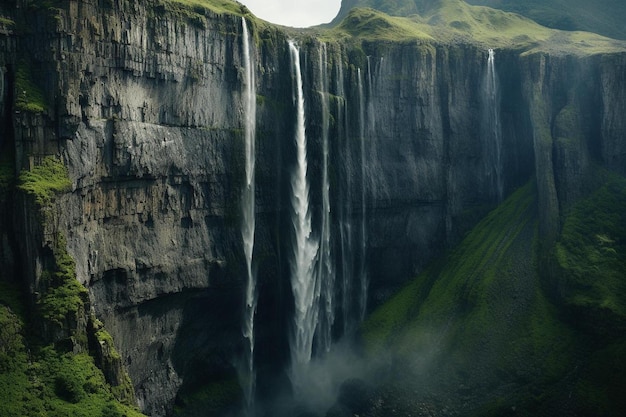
<point x="454" y="21"/>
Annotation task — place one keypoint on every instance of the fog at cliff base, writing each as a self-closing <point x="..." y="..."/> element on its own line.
<point x="294" y="13"/>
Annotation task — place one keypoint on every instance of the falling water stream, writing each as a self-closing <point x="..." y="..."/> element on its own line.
<point x="362" y="275"/>
<point x="491" y="127"/>
<point x="345" y="208"/>
<point x="325" y="271"/>
<point x="248" y="220"/>
<point x="304" y="282"/>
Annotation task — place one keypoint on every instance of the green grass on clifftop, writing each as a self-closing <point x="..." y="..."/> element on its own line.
<point x="216" y="6"/>
<point x="454" y="21"/>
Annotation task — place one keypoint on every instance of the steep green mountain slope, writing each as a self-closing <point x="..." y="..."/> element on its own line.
<point x="605" y="17"/>
<point x="454" y="21"/>
<point x="487" y="322"/>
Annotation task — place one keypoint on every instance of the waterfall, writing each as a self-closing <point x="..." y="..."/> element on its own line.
<point x="491" y="129"/>
<point x="325" y="271"/>
<point x="345" y="207"/>
<point x="304" y="282"/>
<point x="362" y="275"/>
<point x="248" y="220"/>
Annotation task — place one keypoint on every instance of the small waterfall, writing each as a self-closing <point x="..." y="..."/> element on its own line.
<point x="325" y="271"/>
<point x="304" y="282"/>
<point x="491" y="129"/>
<point x="362" y="275"/>
<point x="248" y="220"/>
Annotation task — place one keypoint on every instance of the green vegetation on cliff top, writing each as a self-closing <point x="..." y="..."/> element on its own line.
<point x="605" y="17"/>
<point x="216" y="6"/>
<point x="454" y="21"/>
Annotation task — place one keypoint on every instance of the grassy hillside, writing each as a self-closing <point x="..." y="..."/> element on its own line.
<point x="605" y="17"/>
<point x="479" y="332"/>
<point x="454" y="21"/>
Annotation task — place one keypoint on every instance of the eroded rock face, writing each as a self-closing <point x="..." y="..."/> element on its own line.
<point x="147" y="110"/>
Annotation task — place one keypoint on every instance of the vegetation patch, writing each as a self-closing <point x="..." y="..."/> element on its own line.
<point x="216" y="6"/>
<point x="209" y="400"/>
<point x="481" y="311"/>
<point x="591" y="252"/>
<point x="453" y="22"/>
<point x="45" y="180"/>
<point x="39" y="381"/>
<point x="28" y="96"/>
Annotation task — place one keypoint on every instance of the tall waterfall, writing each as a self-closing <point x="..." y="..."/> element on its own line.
<point x="325" y="271"/>
<point x="345" y="209"/>
<point x="362" y="275"/>
<point x="248" y="220"/>
<point x="304" y="281"/>
<point x="491" y="129"/>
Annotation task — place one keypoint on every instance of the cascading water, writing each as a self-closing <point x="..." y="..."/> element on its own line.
<point x="363" y="282"/>
<point x="248" y="379"/>
<point x="345" y="211"/>
<point x="325" y="271"/>
<point x="304" y="281"/>
<point x="491" y="128"/>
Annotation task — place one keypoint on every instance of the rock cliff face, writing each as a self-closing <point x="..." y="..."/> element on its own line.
<point x="145" y="105"/>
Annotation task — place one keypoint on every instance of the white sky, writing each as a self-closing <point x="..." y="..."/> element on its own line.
<point x="295" y="13"/>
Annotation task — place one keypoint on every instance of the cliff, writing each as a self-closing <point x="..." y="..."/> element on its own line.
<point x="144" y="104"/>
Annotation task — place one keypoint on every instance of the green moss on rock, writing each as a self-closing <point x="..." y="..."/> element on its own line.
<point x="45" y="180"/>
<point x="40" y="381"/>
<point x="28" y="95"/>
<point x="591" y="252"/>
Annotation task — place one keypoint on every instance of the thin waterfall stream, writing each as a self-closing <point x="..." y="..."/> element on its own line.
<point x="491" y="126"/>
<point x="248" y="223"/>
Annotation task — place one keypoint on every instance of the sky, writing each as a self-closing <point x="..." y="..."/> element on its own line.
<point x="295" y="13"/>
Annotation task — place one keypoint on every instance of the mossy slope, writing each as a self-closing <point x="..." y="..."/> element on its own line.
<point x="479" y="326"/>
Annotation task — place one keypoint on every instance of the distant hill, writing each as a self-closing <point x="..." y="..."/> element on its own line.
<point x="605" y="17"/>
<point x="391" y="7"/>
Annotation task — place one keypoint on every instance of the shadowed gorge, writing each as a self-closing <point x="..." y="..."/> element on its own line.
<point x="417" y="210"/>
